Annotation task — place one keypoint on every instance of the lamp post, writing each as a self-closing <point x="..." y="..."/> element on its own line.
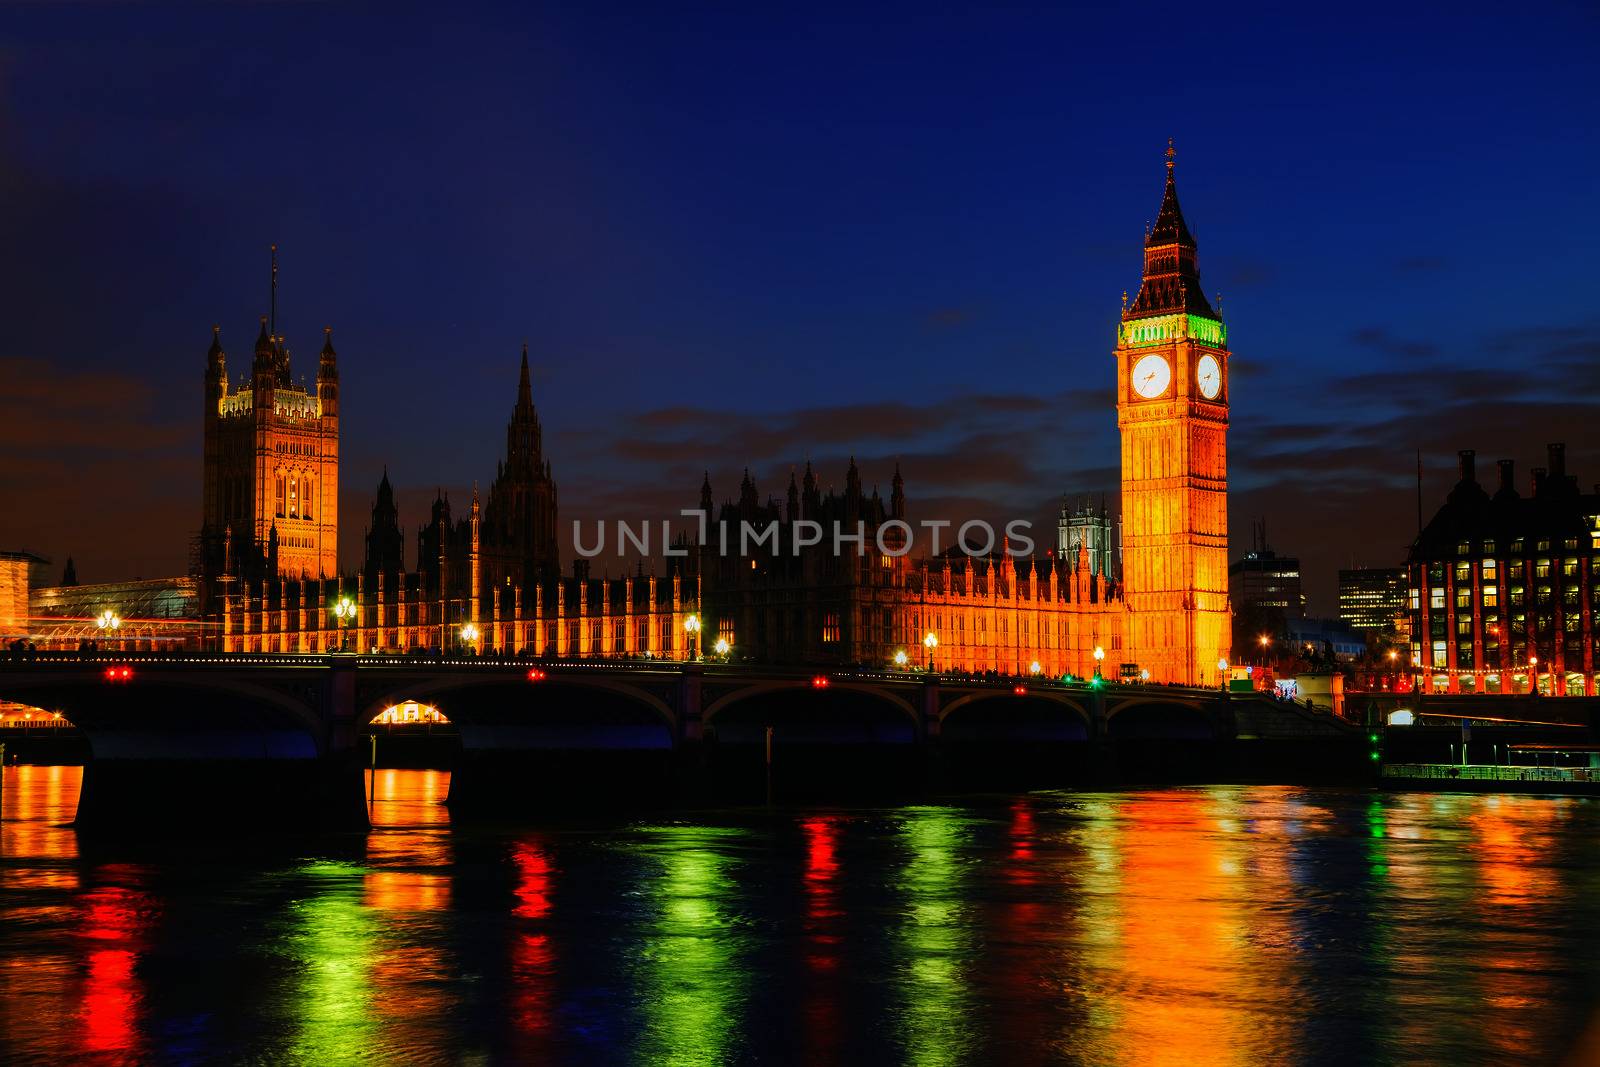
<point x="469" y="637"/>
<point x="930" y="643"/>
<point x="1099" y="658"/>
<point x="901" y="659"/>
<point x="691" y="629"/>
<point x="108" y="621"/>
<point x="1034" y="668"/>
<point x="723" y="648"/>
<point x="344" y="609"/>
<point x="1222" y="672"/>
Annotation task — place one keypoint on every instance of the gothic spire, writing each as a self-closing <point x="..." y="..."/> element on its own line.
<point x="524" y="387"/>
<point x="1171" y="281"/>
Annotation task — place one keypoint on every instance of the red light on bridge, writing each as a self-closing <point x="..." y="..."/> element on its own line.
<point x="119" y="674"/>
<point x="535" y="675"/>
<point x="819" y="682"/>
<point x="1020" y="690"/>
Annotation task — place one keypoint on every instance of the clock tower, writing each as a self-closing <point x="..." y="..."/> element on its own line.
<point x="1172" y="413"/>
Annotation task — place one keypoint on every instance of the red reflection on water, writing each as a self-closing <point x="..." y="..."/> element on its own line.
<point x="532" y="949"/>
<point x="1020" y="870"/>
<point x="822" y="937"/>
<point x="114" y="923"/>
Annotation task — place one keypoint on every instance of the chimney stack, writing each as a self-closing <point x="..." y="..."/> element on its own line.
<point x="1558" y="460"/>
<point x="1508" y="475"/>
<point x="1465" y="460"/>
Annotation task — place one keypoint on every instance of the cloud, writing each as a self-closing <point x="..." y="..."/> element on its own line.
<point x="1380" y="340"/>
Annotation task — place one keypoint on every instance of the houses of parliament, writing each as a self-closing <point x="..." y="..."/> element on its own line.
<point x="486" y="573"/>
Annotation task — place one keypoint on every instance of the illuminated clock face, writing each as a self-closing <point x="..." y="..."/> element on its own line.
<point x="1151" y="376"/>
<point x="1209" y="377"/>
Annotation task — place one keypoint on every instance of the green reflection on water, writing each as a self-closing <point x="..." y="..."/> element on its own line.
<point x="934" y="939"/>
<point x="331" y="938"/>
<point x="695" y="976"/>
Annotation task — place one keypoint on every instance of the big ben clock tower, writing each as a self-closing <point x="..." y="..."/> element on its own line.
<point x="1172" y="412"/>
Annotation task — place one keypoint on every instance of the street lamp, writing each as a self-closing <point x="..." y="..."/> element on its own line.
<point x="691" y="629"/>
<point x="108" y="621"/>
<point x="722" y="647"/>
<point x="1099" y="658"/>
<point x="1222" y="672"/>
<point x="1034" y="668"/>
<point x="930" y="643"/>
<point x="344" y="609"/>
<point x="469" y="636"/>
<point x="901" y="659"/>
<point x="1144" y="674"/>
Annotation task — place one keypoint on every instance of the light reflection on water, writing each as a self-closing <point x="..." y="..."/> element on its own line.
<point x="1219" y="926"/>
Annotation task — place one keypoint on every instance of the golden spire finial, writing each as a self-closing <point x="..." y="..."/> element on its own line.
<point x="1172" y="153"/>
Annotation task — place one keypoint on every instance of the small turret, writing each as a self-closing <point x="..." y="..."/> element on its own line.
<point x="705" y="495"/>
<point x="264" y="372"/>
<point x="328" y="374"/>
<point x="897" y="495"/>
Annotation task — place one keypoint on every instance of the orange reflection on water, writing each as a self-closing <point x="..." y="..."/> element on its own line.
<point x="1512" y="843"/>
<point x="409" y="847"/>
<point x="1180" y="938"/>
<point x="37" y="839"/>
<point x="406" y="879"/>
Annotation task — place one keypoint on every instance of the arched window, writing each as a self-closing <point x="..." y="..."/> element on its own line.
<point x="280" y="496"/>
<point x="309" y="512"/>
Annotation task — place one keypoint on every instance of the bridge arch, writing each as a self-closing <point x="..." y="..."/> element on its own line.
<point x="1036" y="714"/>
<point x="1160" y="718"/>
<point x="438" y="691"/>
<point x="842" y="712"/>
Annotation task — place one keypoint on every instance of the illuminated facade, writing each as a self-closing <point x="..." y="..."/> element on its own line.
<point x="1172" y="411"/>
<point x="808" y="604"/>
<point x="1503" y="589"/>
<point x="490" y="580"/>
<point x="270" y="500"/>
<point x="1372" y="598"/>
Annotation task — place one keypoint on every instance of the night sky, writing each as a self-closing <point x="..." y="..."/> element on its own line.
<point x="742" y="236"/>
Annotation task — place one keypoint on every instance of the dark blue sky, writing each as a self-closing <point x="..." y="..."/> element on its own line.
<point x="745" y="234"/>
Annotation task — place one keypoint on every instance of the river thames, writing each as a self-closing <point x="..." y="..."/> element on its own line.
<point x="1226" y="925"/>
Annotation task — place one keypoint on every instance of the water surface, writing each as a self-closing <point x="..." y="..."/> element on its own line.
<point x="1231" y="925"/>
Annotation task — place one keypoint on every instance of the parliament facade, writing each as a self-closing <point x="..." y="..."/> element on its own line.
<point x="488" y="576"/>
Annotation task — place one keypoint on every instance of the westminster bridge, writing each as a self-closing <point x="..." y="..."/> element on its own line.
<point x="177" y="739"/>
